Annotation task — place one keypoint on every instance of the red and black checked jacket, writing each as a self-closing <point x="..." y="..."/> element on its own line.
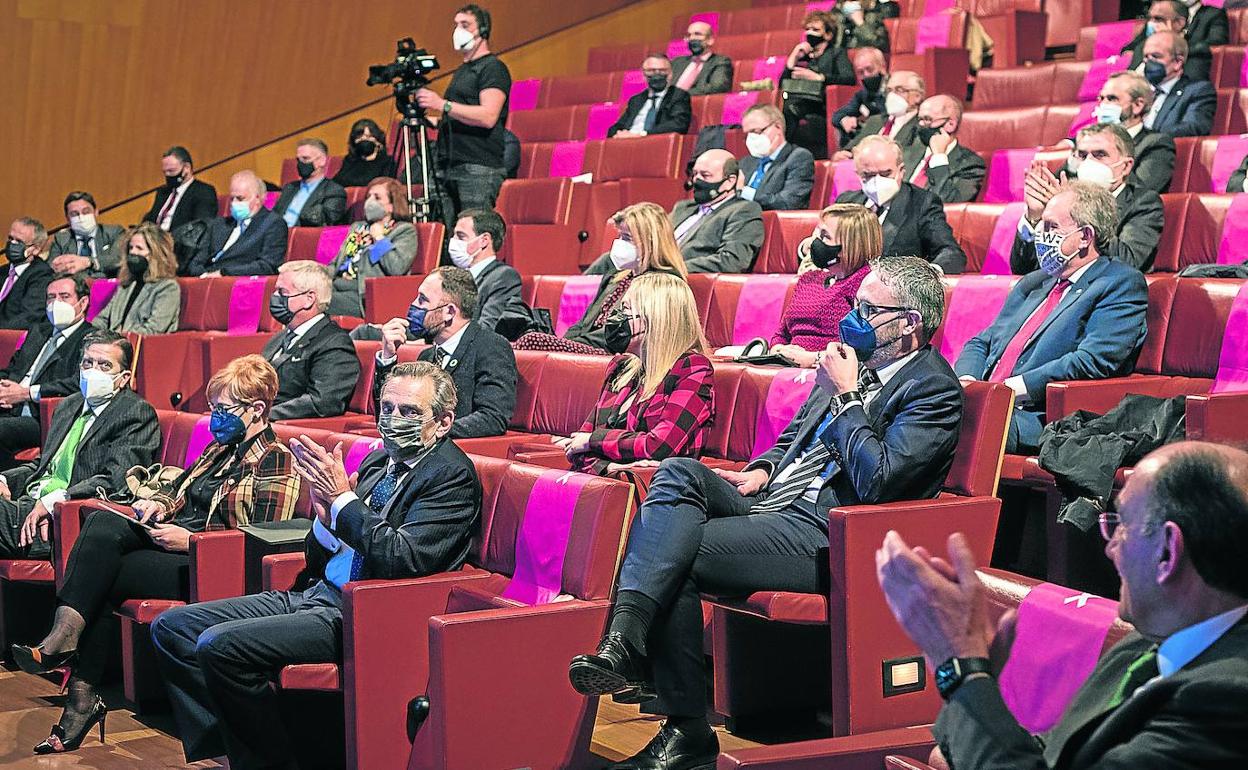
<point x="671" y="423"/>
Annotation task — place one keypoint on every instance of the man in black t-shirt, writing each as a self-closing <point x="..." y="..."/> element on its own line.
<point x="474" y="114"/>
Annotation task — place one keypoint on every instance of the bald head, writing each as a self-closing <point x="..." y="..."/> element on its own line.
<point x="713" y="171"/>
<point x="699" y="29"/>
<point x="941" y="111"/>
<point x="712" y="162"/>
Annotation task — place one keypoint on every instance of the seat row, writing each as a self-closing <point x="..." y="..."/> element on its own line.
<point x="1098" y="41"/>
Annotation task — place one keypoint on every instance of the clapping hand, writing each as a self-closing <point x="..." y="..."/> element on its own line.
<point x="323" y="471"/>
<point x="1039" y="185"/>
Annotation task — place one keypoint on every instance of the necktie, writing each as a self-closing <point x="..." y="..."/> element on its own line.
<point x="756" y="179"/>
<point x="920" y="177"/>
<point x="84" y="246"/>
<point x="61" y="468"/>
<point x="687" y="227"/>
<point x="377" y="501"/>
<point x="1140" y="671"/>
<point x="8" y="284"/>
<point x="288" y="342"/>
<point x="888" y="127"/>
<point x="44" y="356"/>
<point x="652" y="115"/>
<point x="1009" y="359"/>
<point x="690" y="75"/>
<point x="440" y="356"/>
<point x="167" y="209"/>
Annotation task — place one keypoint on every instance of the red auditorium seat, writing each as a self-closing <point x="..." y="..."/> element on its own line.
<point x="390" y="297"/>
<point x="569" y="90"/>
<point x="746" y="306"/>
<point x="1227" y="70"/>
<point x="757" y="45"/>
<point x="554" y="124"/>
<point x="773" y="19"/>
<point x="972" y="302"/>
<point x="394" y="633"/>
<point x="543" y="219"/>
<point x="946" y="29"/>
<point x="945" y="69"/>
<point x="784" y="230"/>
<point x="1099" y="41"/>
<point x="1017" y="33"/>
<point x="988" y="130"/>
<point x="290" y="171"/>
<point x="622" y="56"/>
<point x="1007" y="170"/>
<point x="320" y="244"/>
<point x="843" y="669"/>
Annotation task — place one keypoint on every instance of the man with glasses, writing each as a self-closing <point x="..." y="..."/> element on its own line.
<point x="1170" y="695"/>
<point x="1124" y="100"/>
<point x="1182" y="105"/>
<point x="903" y="95"/>
<point x="881" y="424"/>
<point x="660" y="109"/>
<point x="98" y="432"/>
<point x="703" y="71"/>
<point x="937" y="161"/>
<point x="248" y="240"/>
<point x="1079" y="316"/>
<point x="1202" y="27"/>
<point x="317" y="368"/>
<point x="775" y="174"/>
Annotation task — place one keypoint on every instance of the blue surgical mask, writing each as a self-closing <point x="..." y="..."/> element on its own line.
<point x="1154" y="72"/>
<point x="859" y="334"/>
<point x="1049" y="252"/>
<point x="226" y="427"/>
<point x="416" y="321"/>
<point x="239" y="210"/>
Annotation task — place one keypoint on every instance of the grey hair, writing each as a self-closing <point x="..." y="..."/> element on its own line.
<point x="41" y="232"/>
<point x="873" y="139"/>
<point x="256" y="182"/>
<point x="916" y="284"/>
<point x="1096" y="208"/>
<point x="1122" y="140"/>
<point x="444" y="395"/>
<point x="311" y="276"/>
<point x="311" y="141"/>
<point x="1138" y="87"/>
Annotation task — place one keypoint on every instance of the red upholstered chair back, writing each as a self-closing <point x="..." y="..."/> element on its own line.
<point x="301" y="242"/>
<point x="724" y="322"/>
<point x="784" y="231"/>
<point x="986" y="409"/>
<point x="1006" y="591"/>
<point x="702" y="284"/>
<point x="987" y="130"/>
<point x="566" y="392"/>
<point x="1198" y="318"/>
<point x="648" y="156"/>
<point x="1067" y="80"/>
<point x="218" y="308"/>
<point x="773" y="19"/>
<point x="610" y="58"/>
<point x="431" y="235"/>
<point x="766" y="399"/>
<point x="1202" y="228"/>
<point x="756" y="45"/>
<point x="1057" y="122"/>
<point x="1161" y="290"/>
<point x="362" y="397"/>
<point x="389" y="297"/>
<point x="529" y="365"/>
<point x="1170" y="249"/>
<point x="579" y="89"/>
<point x="195" y="301"/>
<point x="595" y="537"/>
<point x="553" y="124"/>
<point x="176" y="430"/>
<point x="534" y="202"/>
<point x="727" y="382"/>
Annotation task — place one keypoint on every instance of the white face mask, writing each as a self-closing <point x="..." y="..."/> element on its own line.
<point x="881" y="189"/>
<point x="1095" y="172"/>
<point x="462" y="39"/>
<point x="895" y="105"/>
<point x="96" y="386"/>
<point x="623" y="254"/>
<point x="82" y="224"/>
<point x="459" y="253"/>
<point x="758" y="145"/>
<point x="61" y="314"/>
<point x="1108" y="113"/>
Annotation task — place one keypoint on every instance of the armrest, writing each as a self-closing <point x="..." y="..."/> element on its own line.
<point x="1099" y="396"/>
<point x="67" y="518"/>
<point x="385" y="644"/>
<point x="1221" y="418"/>
<point x="218" y="569"/>
<point x="472" y="687"/>
<point x="279" y="570"/>
<point x="851" y="752"/>
<point x="892" y="762"/>
<point x="546" y="458"/>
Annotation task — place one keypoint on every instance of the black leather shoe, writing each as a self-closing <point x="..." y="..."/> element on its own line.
<point x="614" y="667"/>
<point x="674" y="749"/>
<point x="639" y="692"/>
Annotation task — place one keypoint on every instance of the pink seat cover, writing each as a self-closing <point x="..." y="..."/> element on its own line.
<point x="1229" y="154"/>
<point x="844" y="178"/>
<point x="975" y="303"/>
<point x="633" y="82"/>
<point x="1098" y="72"/>
<point x="1232" y="376"/>
<point x="567" y="158"/>
<point x="1110" y="38"/>
<point x="578" y="292"/>
<point x="932" y="31"/>
<point x="542" y="541"/>
<point x="1006" y="172"/>
<point x="735" y="106"/>
<point x="789" y="389"/>
<point x="201" y="437"/>
<point x="102" y="290"/>
<point x="1233" y="248"/>
<point x="358" y="451"/>
<point x="772" y="67"/>
<point x="601" y="118"/>
<point x="330" y="242"/>
<point x="759" y="307"/>
<point x="524" y="94"/>
<point x="1084" y="117"/>
<point x="247" y="300"/>
<point x="997" y="259"/>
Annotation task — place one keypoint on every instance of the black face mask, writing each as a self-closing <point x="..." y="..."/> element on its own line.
<point x="925" y="133"/>
<point x="365" y="147"/>
<point x="279" y="307"/>
<point x="815" y="40"/>
<point x="697" y="47"/>
<point x="872" y="84"/>
<point x="704" y="192"/>
<point x="823" y="255"/>
<point x="304" y="168"/>
<point x="137" y="265"/>
<point x="173" y="180"/>
<point x="617" y="333"/>
<point x="656" y="83"/>
<point x="15" y="250"/>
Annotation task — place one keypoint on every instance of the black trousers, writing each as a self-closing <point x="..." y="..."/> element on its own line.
<point x="17" y="434"/>
<point x="807" y="125"/>
<point x="113" y="561"/>
<point x="13" y="514"/>
<point x="218" y="658"/>
<point x="695" y="534"/>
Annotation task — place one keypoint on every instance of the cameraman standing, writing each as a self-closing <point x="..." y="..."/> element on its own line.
<point x="474" y="114"/>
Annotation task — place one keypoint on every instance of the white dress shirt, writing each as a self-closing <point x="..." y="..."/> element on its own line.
<point x="1163" y="91"/>
<point x="60" y="495"/>
<point x="177" y="194"/>
<point x="59" y="339"/>
<point x="639" y="122"/>
<point x="479" y="267"/>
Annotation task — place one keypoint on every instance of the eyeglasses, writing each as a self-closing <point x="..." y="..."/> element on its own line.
<point x="868" y="310"/>
<point x="927" y="120"/>
<point x="901" y="90"/>
<point x="227" y="408"/>
<point x="1109" y="525"/>
<point x="761" y="130"/>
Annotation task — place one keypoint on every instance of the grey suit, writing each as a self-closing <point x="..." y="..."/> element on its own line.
<point x="727" y="240"/>
<point x="875" y="125"/>
<point x="326" y="205"/>
<point x="317" y="375"/>
<point x="498" y="291"/>
<point x="715" y="77"/>
<point x="958" y="181"/>
<point x="1140" y="219"/>
<point x="155" y="310"/>
<point x="106" y="259"/>
<point x="1154" y="160"/>
<point x="397" y="260"/>
<point x="787" y="181"/>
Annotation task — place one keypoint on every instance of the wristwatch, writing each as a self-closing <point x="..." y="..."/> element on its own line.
<point x="446" y="107"/>
<point x="951" y="673"/>
<point x="842" y="401"/>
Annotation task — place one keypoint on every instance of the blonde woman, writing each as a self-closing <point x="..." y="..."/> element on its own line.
<point x="658" y="398"/>
<point x="148" y="300"/>
<point x="833" y="262"/>
<point x="645" y="244"/>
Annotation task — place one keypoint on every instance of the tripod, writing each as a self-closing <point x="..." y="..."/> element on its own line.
<point x="427" y="208"/>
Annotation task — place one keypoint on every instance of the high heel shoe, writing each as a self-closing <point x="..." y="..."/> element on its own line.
<point x="58" y="742"/>
<point x="33" y="660"/>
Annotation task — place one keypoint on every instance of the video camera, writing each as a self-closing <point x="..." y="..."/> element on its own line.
<point x="407" y="73"/>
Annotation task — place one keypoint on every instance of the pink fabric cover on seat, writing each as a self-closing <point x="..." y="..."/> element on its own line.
<point x="330" y="242"/>
<point x="1084" y="117"/>
<point x="1233" y="248"/>
<point x="759" y="307"/>
<point x="1006" y="172"/>
<point x="633" y="82"/>
<point x="975" y="303"/>
<point x="1062" y="630"/>
<point x="735" y="106"/>
<point x="997" y="259"/>
<point x="932" y="7"/>
<point x="932" y="31"/>
<point x="567" y="159"/>
<point x="578" y="292"/>
<point x="601" y="118"/>
<point x="677" y="48"/>
<point x="1229" y="154"/>
<point x="1232" y="376"/>
<point x="247" y="300"/>
<point x="1110" y="38"/>
<point x="200" y="438"/>
<point x="542" y="541"/>
<point x="356" y="454"/>
<point x="789" y="389"/>
<point x="524" y="94"/>
<point x="102" y="290"/>
<point x="772" y="67"/>
<point x="1098" y="72"/>
<point x="270" y="199"/>
<point x="844" y="177"/>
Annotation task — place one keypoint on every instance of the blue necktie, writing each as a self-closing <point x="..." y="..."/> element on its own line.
<point x="652" y="115"/>
<point x="381" y="495"/>
<point x="756" y="179"/>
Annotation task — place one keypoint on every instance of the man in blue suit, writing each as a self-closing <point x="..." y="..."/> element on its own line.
<point x="1081" y="316"/>
<point x="1182" y="106"/>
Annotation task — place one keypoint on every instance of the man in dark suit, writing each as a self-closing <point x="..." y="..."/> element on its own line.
<point x="1202" y="26"/>
<point x="98" y="433"/>
<point x="913" y="219"/>
<point x="1080" y="316"/>
<point x="906" y="91"/>
<point x="1239" y="180"/>
<point x="872" y="71"/>
<point x="249" y="240"/>
<point x="313" y="201"/>
<point x="1169" y="695"/>
<point x="775" y="174"/>
<point x="1183" y="106"/>
<point x="718" y="231"/>
<point x="479" y="234"/>
<point x="1125" y="99"/>
<point x="317" y="368"/>
<point x="480" y="361"/>
<point x="1102" y="156"/>
<point x="939" y="163"/>
<point x="703" y="71"/>
<point x="24" y="280"/>
<point x="46" y="365"/>
<point x="412" y="512"/>
<point x="183" y="199"/>
<point x="871" y="432"/>
<point x="86" y="244"/>
<point x="660" y="109"/>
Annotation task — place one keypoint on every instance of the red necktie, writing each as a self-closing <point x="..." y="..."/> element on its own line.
<point x="165" y="209"/>
<point x="1009" y="359"/>
<point x="690" y="75"/>
<point x="888" y="127"/>
<point x="920" y="177"/>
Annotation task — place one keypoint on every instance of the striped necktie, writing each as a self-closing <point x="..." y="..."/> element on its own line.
<point x="377" y="501"/>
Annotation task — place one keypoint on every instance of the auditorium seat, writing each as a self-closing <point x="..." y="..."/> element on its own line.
<point x="973" y="302"/>
<point x="772" y="19"/>
<point x="769" y="67"/>
<point x="1232" y="111"/>
<point x="389" y="297"/>
<point x="567" y="90"/>
<point x="395" y="631"/>
<point x="946" y="29"/>
<point x="1007" y="170"/>
<point x="543" y="219"/>
<point x="320" y="244"/>
<point x="1017" y="32"/>
<point x="784" y="230"/>
<point x="945" y="69"/>
<point x="842" y="669"/>
<point x="988" y="130"/>
<point x="619" y="56"/>
<point x="1099" y="41"/>
<point x="524" y="95"/>
<point x="554" y="124"/>
<point x="746" y="306"/>
<point x="1227" y="69"/>
<point x="1210" y="161"/>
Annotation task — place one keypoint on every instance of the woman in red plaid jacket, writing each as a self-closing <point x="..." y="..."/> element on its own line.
<point x="658" y="398"/>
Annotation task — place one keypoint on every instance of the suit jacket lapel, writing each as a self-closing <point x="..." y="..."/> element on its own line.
<point x="462" y="349"/>
<point x="1172" y="99"/>
<point x="896" y="213"/>
<point x="1070" y="297"/>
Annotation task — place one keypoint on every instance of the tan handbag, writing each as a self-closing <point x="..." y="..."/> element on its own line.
<point x="145" y="483"/>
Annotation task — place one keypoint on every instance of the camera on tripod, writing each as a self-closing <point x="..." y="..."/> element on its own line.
<point x="407" y="73"/>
